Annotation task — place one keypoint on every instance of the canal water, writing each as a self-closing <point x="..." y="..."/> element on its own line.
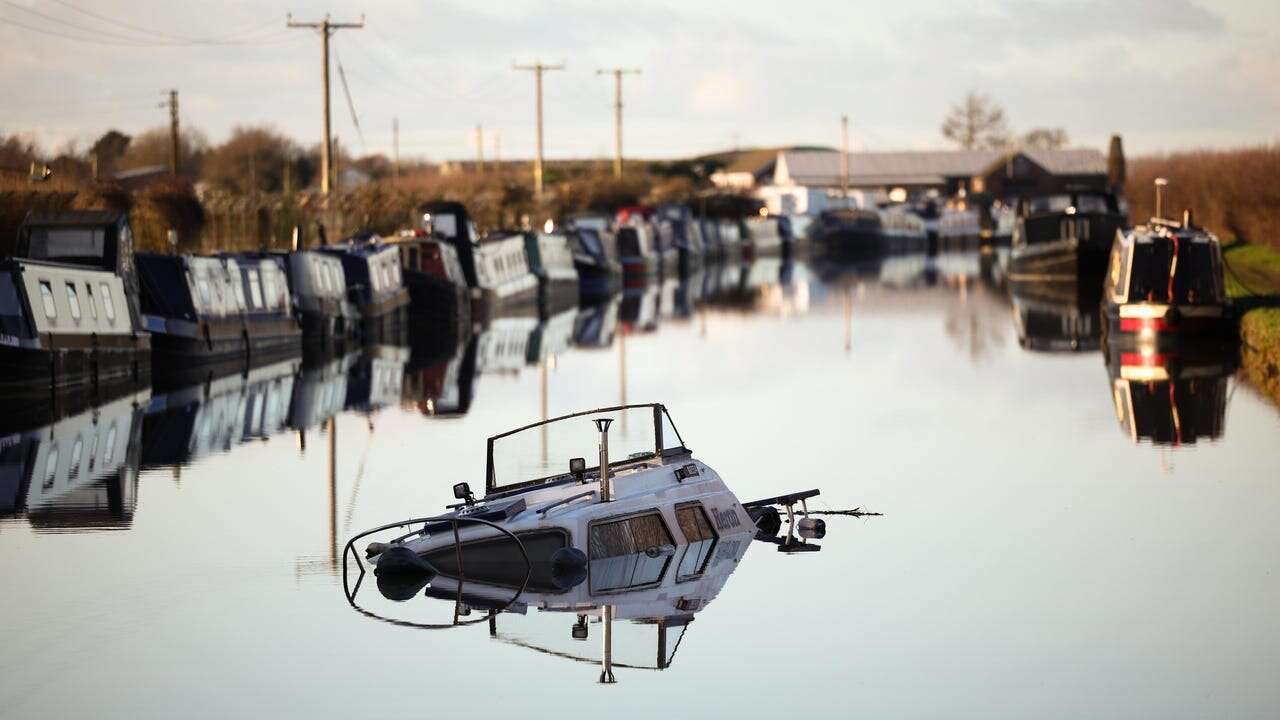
<point x="1059" y="538"/>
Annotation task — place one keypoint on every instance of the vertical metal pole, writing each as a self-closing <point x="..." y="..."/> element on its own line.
<point x="606" y="659"/>
<point x="173" y="132"/>
<point x="606" y="486"/>
<point x="662" y="644"/>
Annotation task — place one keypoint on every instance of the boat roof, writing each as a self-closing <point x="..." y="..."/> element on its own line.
<point x="72" y="218"/>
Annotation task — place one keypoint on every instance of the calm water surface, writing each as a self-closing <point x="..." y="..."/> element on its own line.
<point x="1040" y="554"/>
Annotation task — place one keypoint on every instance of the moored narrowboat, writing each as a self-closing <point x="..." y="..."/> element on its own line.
<point x="551" y="262"/>
<point x="1064" y="237"/>
<point x="375" y="284"/>
<point x="203" y="310"/>
<point x="67" y="316"/>
<point x="319" y="287"/>
<point x="641" y="264"/>
<point x="678" y="228"/>
<point x="1164" y="285"/>
<point x="439" y="290"/>
<point x="847" y="234"/>
<point x="595" y="257"/>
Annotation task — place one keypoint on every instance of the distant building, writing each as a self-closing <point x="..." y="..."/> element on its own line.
<point x="809" y="181"/>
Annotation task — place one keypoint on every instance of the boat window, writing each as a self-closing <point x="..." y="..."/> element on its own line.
<point x="269" y="287"/>
<point x="110" y="449"/>
<point x="1049" y="203"/>
<point x="203" y="284"/>
<point x="628" y="553"/>
<point x="108" y="306"/>
<point x="444" y="225"/>
<point x="46" y="297"/>
<point x="67" y="243"/>
<point x="395" y="275"/>
<point x="237" y="289"/>
<point x="255" y="289"/>
<point x="670" y="437"/>
<point x="698" y="532"/>
<point x="88" y="296"/>
<point x="77" y="450"/>
<point x="1091" y="203"/>
<point x="50" y="467"/>
<point x="542" y="451"/>
<point x="73" y="300"/>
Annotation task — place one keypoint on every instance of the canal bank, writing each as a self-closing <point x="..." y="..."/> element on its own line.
<point x="1253" y="280"/>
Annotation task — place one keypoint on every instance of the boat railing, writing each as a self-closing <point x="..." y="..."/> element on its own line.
<point x="454" y="521"/>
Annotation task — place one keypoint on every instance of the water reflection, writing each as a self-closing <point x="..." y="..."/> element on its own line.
<point x="1171" y="399"/>
<point x="78" y="473"/>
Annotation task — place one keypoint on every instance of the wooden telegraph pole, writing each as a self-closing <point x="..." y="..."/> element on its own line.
<point x="617" y="74"/>
<point x="326" y="28"/>
<point x="174" y="157"/>
<point x="538" y="68"/>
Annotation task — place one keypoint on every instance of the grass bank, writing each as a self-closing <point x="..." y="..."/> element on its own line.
<point x="1253" y="280"/>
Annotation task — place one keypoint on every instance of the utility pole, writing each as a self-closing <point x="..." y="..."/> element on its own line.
<point x="395" y="146"/>
<point x="617" y="74"/>
<point x="172" y="104"/>
<point x="480" y="149"/>
<point x="844" y="156"/>
<point x="327" y="29"/>
<point x="538" y="68"/>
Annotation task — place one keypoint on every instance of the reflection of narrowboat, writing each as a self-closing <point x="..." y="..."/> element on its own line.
<point x="375" y="284"/>
<point x="551" y="337"/>
<point x="1063" y="326"/>
<point x="79" y="472"/>
<point x="68" y="316"/>
<point x="1165" y="284"/>
<point x="376" y="379"/>
<point x="713" y="249"/>
<point x="443" y="388"/>
<point x="319" y="289"/>
<point x="639" y="309"/>
<point x="596" y="325"/>
<point x="216" y="414"/>
<point x="732" y="242"/>
<point x="1171" y="398"/>
<point x="551" y="261"/>
<point x="595" y="257"/>
<point x="657" y="250"/>
<point x="1064" y="237"/>
<point x="847" y="234"/>
<point x="320" y="391"/>
<point x="504" y="344"/>
<point x="640" y="262"/>
<point x="211" y="309"/>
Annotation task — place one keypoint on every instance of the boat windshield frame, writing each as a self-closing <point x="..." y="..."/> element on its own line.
<point x="492" y="488"/>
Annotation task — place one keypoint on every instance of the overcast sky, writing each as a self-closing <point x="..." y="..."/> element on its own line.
<point x="1166" y="74"/>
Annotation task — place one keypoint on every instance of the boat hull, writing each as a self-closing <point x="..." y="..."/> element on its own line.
<point x="72" y="361"/>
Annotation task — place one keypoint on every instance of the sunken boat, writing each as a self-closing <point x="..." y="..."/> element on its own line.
<point x="69" y="315"/>
<point x="1164" y="287"/>
<point x="1064" y="237"/>
<point x="375" y="284"/>
<point x="205" y="310"/>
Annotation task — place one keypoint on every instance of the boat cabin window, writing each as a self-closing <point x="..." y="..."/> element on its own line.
<point x="67" y="243"/>
<point x="88" y="296"/>
<point x="46" y="297"/>
<point x="73" y="301"/>
<point x="1091" y="203"/>
<point x="590" y="242"/>
<point x="255" y="290"/>
<point x="203" y="285"/>
<point x="628" y="553"/>
<point x="1048" y="203"/>
<point x="701" y="536"/>
<point x="444" y="225"/>
<point x="269" y="287"/>
<point x="107" y="305"/>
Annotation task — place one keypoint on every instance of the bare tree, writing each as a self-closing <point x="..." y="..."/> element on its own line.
<point x="1045" y="139"/>
<point x="976" y="122"/>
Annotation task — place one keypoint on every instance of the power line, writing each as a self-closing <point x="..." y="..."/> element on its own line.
<point x="228" y="39"/>
<point x="355" y="120"/>
<point x="97" y="34"/>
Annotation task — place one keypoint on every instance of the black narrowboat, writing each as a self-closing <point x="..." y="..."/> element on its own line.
<point x="68" y="318"/>
<point x="1064" y="237"/>
<point x="375" y="284"/>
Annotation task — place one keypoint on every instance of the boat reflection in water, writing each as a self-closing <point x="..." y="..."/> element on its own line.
<point x="376" y="379"/>
<point x="78" y="473"/>
<point x="1045" y="325"/>
<point x="186" y="424"/>
<point x="1171" y="399"/>
<point x="442" y="387"/>
<point x="596" y="325"/>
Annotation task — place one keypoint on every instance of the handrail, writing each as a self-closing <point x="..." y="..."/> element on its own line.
<point x="565" y="501"/>
<point x="453" y="520"/>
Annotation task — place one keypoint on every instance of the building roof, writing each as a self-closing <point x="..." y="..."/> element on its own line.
<point x="72" y="217"/>
<point x="929" y="167"/>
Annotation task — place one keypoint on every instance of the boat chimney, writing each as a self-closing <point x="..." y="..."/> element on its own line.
<point x="296" y="242"/>
<point x="606" y="656"/>
<point x="606" y="489"/>
<point x="1160" y="186"/>
<point x="1187" y="219"/>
